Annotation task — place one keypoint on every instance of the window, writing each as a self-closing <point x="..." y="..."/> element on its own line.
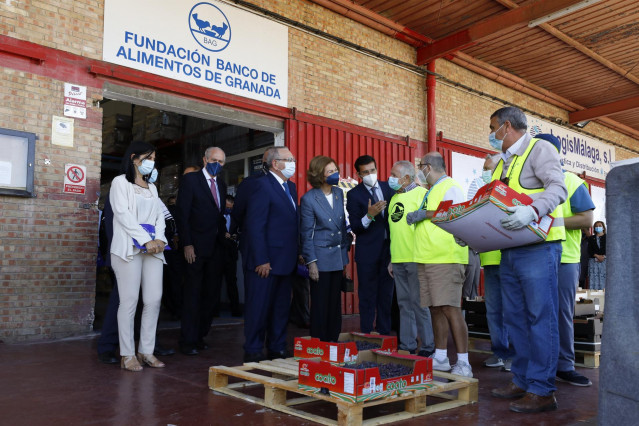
<point x="17" y="158"/>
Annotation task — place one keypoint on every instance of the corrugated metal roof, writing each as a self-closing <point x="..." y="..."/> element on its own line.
<point x="582" y="56"/>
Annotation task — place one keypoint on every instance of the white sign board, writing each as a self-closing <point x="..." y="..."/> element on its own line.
<point x="75" y="100"/>
<point x="62" y="131"/>
<point x="211" y="44"/>
<point x="578" y="152"/>
<point x="75" y="179"/>
<point x="465" y="169"/>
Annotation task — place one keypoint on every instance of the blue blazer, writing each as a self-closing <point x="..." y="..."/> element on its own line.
<point x="200" y="222"/>
<point x="370" y="242"/>
<point x="323" y="230"/>
<point x="271" y="225"/>
<point x="245" y="191"/>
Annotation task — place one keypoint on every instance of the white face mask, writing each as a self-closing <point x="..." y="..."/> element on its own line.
<point x="487" y="176"/>
<point x="371" y="179"/>
<point x="289" y="169"/>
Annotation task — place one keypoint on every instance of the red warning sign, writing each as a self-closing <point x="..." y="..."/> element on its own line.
<point x="74" y="179"/>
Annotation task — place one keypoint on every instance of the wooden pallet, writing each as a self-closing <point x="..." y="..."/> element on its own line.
<point x="587" y="359"/>
<point x="283" y="379"/>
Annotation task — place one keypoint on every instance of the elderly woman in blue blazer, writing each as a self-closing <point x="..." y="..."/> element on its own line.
<point x="324" y="246"/>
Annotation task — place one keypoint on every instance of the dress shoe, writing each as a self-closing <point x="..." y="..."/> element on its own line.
<point x="278" y="354"/>
<point x="130" y="363"/>
<point x="508" y="392"/>
<point x="150" y="360"/>
<point x="201" y="345"/>
<point x="189" y="350"/>
<point x="108" y="357"/>
<point x="162" y="351"/>
<point x="532" y="403"/>
<point x="254" y="357"/>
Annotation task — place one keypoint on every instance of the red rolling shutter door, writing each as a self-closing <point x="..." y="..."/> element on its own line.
<point x="308" y="136"/>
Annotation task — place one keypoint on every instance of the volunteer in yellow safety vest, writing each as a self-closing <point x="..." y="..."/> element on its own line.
<point x="414" y="319"/>
<point x="529" y="273"/>
<point x="578" y="215"/>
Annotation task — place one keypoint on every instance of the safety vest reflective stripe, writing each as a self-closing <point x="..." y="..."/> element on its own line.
<point x="571" y="247"/>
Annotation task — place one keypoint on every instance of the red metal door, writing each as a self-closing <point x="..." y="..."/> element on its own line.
<point x="308" y="136"/>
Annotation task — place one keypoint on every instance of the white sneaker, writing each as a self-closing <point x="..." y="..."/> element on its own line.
<point x="462" y="369"/>
<point x="440" y="365"/>
<point x="494" y="361"/>
<point x="507" y="364"/>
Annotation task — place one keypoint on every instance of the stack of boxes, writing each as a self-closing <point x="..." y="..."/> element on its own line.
<point x="152" y="125"/>
<point x="588" y="324"/>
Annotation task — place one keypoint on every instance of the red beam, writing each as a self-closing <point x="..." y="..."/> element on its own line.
<point x="603" y="110"/>
<point x="490" y="27"/>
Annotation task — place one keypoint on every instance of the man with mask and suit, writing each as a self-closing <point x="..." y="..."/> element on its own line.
<point x="367" y="211"/>
<point x="201" y="227"/>
<point x="272" y="235"/>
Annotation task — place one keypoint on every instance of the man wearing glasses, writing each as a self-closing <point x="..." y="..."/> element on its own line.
<point x="271" y="225"/>
<point x="368" y="214"/>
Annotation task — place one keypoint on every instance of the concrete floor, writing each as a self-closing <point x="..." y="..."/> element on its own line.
<point x="62" y="383"/>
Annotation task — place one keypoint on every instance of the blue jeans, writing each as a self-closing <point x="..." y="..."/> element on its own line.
<point x="567" y="289"/>
<point x="495" y="313"/>
<point x="529" y="289"/>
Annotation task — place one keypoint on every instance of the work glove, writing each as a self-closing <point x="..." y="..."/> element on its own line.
<point x="416" y="216"/>
<point x="521" y="216"/>
<point x="460" y="242"/>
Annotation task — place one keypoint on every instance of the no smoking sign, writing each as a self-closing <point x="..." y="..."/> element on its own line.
<point x="75" y="179"/>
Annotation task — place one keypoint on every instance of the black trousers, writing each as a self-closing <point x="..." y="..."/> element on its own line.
<point x="200" y="295"/>
<point x="172" y="281"/>
<point x="326" y="306"/>
<point x="229" y="272"/>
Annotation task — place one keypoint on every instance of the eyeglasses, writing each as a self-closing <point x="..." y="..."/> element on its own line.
<point x="287" y="160"/>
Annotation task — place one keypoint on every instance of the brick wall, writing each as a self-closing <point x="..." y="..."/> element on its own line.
<point x="47" y="243"/>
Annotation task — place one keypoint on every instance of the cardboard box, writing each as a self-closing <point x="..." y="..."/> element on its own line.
<point x="342" y="351"/>
<point x="365" y="384"/>
<point x="478" y="221"/>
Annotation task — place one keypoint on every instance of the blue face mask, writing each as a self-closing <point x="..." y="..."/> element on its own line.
<point x="599" y="229"/>
<point x="487" y="176"/>
<point x="333" y="179"/>
<point x="393" y="182"/>
<point x="494" y="142"/>
<point x="146" y="167"/>
<point x="154" y="176"/>
<point x="213" y="168"/>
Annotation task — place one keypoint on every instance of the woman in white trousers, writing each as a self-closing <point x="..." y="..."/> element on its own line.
<point x="137" y="218"/>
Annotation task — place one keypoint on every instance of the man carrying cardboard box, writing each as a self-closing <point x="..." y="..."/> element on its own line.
<point x="442" y="263"/>
<point x="529" y="273"/>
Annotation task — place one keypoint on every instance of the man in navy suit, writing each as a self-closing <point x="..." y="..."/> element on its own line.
<point x="201" y="203"/>
<point x="367" y="212"/>
<point x="271" y="225"/>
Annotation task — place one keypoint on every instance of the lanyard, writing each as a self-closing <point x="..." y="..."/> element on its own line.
<point x="430" y="189"/>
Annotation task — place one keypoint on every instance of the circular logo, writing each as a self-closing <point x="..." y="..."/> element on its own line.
<point x="75" y="174"/>
<point x="397" y="213"/>
<point x="210" y="27"/>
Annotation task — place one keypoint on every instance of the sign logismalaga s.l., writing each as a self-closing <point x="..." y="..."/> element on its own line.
<point x="211" y="44"/>
<point x="578" y="152"/>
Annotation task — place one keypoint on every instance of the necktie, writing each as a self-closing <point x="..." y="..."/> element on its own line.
<point x="288" y="192"/>
<point x="214" y="192"/>
<point x="374" y="194"/>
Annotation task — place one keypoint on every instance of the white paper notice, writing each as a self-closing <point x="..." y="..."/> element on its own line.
<point x="349" y="383"/>
<point x="333" y="353"/>
<point x="62" y="131"/>
<point x="5" y="173"/>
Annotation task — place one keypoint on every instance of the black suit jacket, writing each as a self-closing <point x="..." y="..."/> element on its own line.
<point x="371" y="241"/>
<point x="200" y="222"/>
<point x="593" y="248"/>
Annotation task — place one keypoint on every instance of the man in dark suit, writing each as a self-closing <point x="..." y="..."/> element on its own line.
<point x="229" y="264"/>
<point x="201" y="228"/>
<point x="367" y="212"/>
<point x="271" y="225"/>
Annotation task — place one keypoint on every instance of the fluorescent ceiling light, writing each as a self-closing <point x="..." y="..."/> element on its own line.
<point x="562" y="12"/>
<point x="582" y="124"/>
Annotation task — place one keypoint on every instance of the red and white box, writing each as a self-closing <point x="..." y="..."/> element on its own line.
<point x="357" y="385"/>
<point x="478" y="221"/>
<point x="344" y="350"/>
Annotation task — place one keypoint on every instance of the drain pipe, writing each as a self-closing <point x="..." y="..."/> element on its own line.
<point x="430" y="107"/>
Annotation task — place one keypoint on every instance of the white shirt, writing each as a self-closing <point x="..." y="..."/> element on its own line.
<point x="329" y="198"/>
<point x="513" y="148"/>
<point x="281" y="182"/>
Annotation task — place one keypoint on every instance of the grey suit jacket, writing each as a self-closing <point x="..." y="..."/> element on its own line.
<point x="323" y="230"/>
